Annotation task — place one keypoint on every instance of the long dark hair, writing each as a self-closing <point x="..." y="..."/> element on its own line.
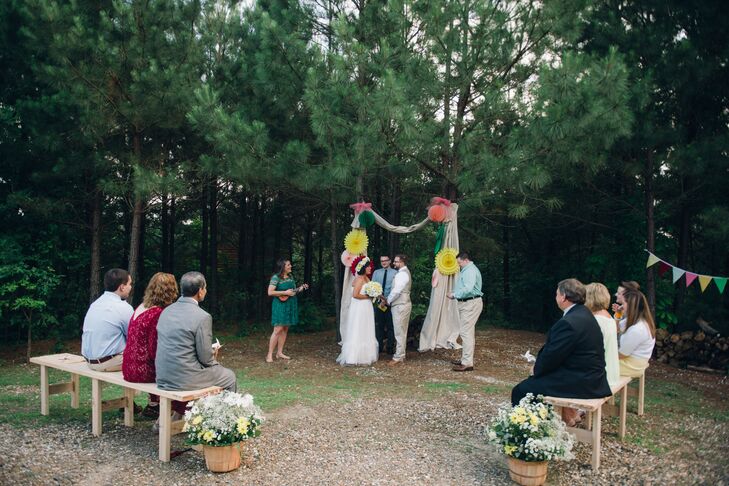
<point x="637" y="308"/>
<point x="280" y="266"/>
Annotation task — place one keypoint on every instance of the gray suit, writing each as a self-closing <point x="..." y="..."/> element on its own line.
<point x="184" y="350"/>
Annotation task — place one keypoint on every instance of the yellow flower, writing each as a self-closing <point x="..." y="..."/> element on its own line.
<point x="445" y="261"/>
<point x="208" y="436"/>
<point x="242" y="425"/>
<point x="508" y="449"/>
<point x="533" y="419"/>
<point x="517" y="418"/>
<point x="543" y="413"/>
<point x="356" y="242"/>
<point x="197" y="420"/>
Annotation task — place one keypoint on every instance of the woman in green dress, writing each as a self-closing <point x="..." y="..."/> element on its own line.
<point x="284" y="308"/>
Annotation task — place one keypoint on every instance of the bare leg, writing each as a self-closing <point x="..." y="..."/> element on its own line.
<point x="272" y="343"/>
<point x="571" y="416"/>
<point x="281" y="342"/>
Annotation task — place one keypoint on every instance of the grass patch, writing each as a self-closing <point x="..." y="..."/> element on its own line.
<point x="441" y="387"/>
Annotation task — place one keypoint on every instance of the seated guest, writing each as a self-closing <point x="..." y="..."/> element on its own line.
<point x="636" y="344"/>
<point x="106" y="323"/>
<point x="185" y="358"/>
<point x="619" y="305"/>
<point x="597" y="299"/>
<point x="141" y="350"/>
<point x="571" y="364"/>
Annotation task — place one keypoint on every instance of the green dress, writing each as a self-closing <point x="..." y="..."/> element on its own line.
<point x="284" y="313"/>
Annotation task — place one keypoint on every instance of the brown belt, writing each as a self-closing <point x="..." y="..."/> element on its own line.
<point x="101" y="360"/>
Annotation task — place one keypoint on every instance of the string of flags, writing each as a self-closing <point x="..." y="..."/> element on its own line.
<point x="704" y="280"/>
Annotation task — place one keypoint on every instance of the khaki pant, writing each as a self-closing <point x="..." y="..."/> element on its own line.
<point x="468" y="314"/>
<point x="114" y="364"/>
<point x="633" y="367"/>
<point x="400" y="322"/>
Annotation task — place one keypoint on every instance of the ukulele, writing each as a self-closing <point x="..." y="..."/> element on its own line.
<point x="284" y="298"/>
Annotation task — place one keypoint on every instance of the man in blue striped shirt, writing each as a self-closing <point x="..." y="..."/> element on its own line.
<point x="467" y="291"/>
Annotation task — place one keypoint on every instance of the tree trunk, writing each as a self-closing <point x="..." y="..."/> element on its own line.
<point x="95" y="276"/>
<point x="320" y="261"/>
<point x="684" y="240"/>
<point x="506" y="271"/>
<point x="204" y="237"/>
<point x="308" y="249"/>
<point x="242" y="231"/>
<point x="395" y="214"/>
<point x="336" y="265"/>
<point x="135" y="242"/>
<point x="258" y="277"/>
<point x="137" y="215"/>
<point x="650" y="231"/>
<point x="171" y="233"/>
<point x="29" y="340"/>
<point x="213" y="278"/>
<point x="165" y="229"/>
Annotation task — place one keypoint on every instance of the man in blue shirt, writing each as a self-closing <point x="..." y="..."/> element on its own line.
<point x="106" y="323"/>
<point x="383" y="319"/>
<point x="467" y="291"/>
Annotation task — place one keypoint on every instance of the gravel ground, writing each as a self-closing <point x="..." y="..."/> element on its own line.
<point x="374" y="441"/>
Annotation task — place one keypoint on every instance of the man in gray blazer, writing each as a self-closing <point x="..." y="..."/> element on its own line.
<point x="185" y="358"/>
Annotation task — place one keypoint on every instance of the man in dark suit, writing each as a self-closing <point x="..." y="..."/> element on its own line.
<point x="571" y="364"/>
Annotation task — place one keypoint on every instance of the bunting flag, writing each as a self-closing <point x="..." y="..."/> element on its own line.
<point x="677" y="273"/>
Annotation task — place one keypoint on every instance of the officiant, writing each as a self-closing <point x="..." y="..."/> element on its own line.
<point x="383" y="318"/>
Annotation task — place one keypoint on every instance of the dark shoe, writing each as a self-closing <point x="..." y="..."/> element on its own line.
<point x="151" y="411"/>
<point x="456" y="362"/>
<point x="462" y="368"/>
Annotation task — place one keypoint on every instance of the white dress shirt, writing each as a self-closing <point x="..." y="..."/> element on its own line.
<point x="398" y="285"/>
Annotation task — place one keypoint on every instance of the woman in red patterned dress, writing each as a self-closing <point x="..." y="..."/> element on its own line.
<point x="141" y="349"/>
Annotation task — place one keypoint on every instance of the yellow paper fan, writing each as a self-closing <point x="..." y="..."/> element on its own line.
<point x="356" y="242"/>
<point x="445" y="261"/>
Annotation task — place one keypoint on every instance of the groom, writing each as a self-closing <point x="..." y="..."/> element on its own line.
<point x="383" y="319"/>
<point x="399" y="300"/>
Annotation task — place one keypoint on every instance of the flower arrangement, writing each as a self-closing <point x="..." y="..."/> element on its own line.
<point x="222" y="419"/>
<point x="445" y="261"/>
<point x="356" y="242"/>
<point x="531" y="431"/>
<point x="374" y="290"/>
<point x="359" y="262"/>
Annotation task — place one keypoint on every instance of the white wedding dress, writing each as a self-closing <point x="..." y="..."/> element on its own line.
<point x="359" y="346"/>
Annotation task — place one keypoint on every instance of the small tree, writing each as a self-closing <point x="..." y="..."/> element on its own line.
<point x="24" y="293"/>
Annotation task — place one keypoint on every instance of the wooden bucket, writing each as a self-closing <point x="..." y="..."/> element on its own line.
<point x="222" y="458"/>
<point x="527" y="473"/>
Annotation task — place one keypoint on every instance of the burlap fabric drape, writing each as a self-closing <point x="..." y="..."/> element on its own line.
<point x="440" y="328"/>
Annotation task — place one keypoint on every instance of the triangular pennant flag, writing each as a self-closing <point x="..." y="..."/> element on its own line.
<point x="652" y="260"/>
<point x="690" y="277"/>
<point x="677" y="273"/>
<point x="704" y="281"/>
<point x="720" y="283"/>
<point x="663" y="268"/>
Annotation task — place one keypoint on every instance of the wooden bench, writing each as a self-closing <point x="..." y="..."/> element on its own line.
<point x="76" y="366"/>
<point x="594" y="408"/>
<point x="640" y="393"/>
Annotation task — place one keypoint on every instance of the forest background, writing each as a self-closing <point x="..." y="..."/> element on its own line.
<point x="177" y="135"/>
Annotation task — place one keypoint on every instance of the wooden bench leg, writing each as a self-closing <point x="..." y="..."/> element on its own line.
<point x="641" y="393"/>
<point x="96" y="388"/>
<point x="129" y="407"/>
<point x="596" y="430"/>
<point x="165" y="432"/>
<point x="75" y="389"/>
<point x="44" y="391"/>
<point x="623" y="411"/>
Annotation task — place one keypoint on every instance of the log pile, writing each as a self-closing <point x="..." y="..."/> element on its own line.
<point x="692" y="348"/>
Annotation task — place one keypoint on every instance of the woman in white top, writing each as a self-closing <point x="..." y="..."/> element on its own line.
<point x="597" y="299"/>
<point x="636" y="344"/>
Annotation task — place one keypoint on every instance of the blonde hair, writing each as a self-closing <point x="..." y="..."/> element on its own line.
<point x="161" y="290"/>
<point x="597" y="297"/>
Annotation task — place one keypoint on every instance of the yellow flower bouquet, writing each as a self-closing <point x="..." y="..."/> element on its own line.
<point x="222" y="419"/>
<point x="531" y="431"/>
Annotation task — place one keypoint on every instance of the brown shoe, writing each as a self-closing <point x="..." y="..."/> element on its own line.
<point x="394" y="363"/>
<point x="462" y="368"/>
<point x="456" y="362"/>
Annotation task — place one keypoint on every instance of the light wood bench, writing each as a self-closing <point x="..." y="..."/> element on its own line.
<point x="640" y="393"/>
<point x="76" y="366"/>
<point x="595" y="408"/>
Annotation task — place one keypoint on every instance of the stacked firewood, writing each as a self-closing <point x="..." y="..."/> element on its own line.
<point x="691" y="348"/>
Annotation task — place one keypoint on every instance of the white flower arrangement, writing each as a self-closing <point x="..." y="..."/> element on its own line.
<point x="531" y="431"/>
<point x="222" y="419"/>
<point x="373" y="289"/>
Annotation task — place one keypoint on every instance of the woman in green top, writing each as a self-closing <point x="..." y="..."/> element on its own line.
<point x="284" y="308"/>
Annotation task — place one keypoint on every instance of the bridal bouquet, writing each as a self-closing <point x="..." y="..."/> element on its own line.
<point x="531" y="431"/>
<point x="374" y="290"/>
<point x="223" y="419"/>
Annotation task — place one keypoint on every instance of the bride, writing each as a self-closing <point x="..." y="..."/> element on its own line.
<point x="360" y="344"/>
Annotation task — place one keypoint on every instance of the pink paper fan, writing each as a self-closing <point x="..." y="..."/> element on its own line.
<point x="434" y="278"/>
<point x="347" y="258"/>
